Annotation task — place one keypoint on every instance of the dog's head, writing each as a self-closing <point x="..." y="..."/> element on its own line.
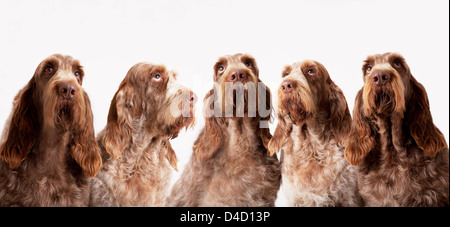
<point x="237" y="93"/>
<point x="307" y="92"/>
<point x="150" y="98"/>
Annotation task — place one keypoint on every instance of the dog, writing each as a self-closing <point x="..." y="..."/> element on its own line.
<point x="401" y="156"/>
<point x="48" y="150"/>
<point x="230" y="165"/>
<point x="314" y="121"/>
<point x="148" y="110"/>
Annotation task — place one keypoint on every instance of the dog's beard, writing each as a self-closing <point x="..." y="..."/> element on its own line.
<point x="179" y="124"/>
<point x="298" y="104"/>
<point x="383" y="100"/>
<point x="179" y="114"/>
<point x="295" y="109"/>
<point x="64" y="114"/>
<point x="236" y="100"/>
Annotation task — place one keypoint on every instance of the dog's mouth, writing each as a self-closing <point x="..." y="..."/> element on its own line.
<point x="383" y="100"/>
<point x="186" y="122"/>
<point x="65" y="113"/>
<point x="298" y="104"/>
<point x="181" y="114"/>
<point x="182" y="122"/>
<point x="294" y="109"/>
<point x="237" y="99"/>
<point x="65" y="108"/>
<point x="240" y="96"/>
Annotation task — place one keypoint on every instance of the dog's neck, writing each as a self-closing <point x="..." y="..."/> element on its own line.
<point x="242" y="133"/>
<point x="390" y="130"/>
<point x="52" y="146"/>
<point x="145" y="146"/>
<point x="145" y="139"/>
<point x="314" y="126"/>
<point x="310" y="130"/>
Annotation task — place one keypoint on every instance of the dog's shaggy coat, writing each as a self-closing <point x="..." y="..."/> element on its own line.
<point x="314" y="120"/>
<point x="48" y="149"/>
<point x="402" y="157"/>
<point x="230" y="165"/>
<point x="149" y="108"/>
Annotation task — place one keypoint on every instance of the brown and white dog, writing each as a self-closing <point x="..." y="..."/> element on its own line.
<point x="402" y="157"/>
<point x="314" y="120"/>
<point x="149" y="108"/>
<point x="48" y="149"/>
<point x="230" y="165"/>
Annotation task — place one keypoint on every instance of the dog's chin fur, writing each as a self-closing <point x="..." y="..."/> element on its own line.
<point x="227" y="99"/>
<point x="384" y="101"/>
<point x="295" y="110"/>
<point x="64" y="113"/>
<point x="179" y="124"/>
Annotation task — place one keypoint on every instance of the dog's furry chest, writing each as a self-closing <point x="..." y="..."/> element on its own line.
<point x="36" y="183"/>
<point x="406" y="178"/>
<point x="136" y="180"/>
<point x="239" y="171"/>
<point x="314" y="170"/>
<point x="310" y="149"/>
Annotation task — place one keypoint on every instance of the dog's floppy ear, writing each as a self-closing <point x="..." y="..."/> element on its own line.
<point x="209" y="140"/>
<point x="418" y="118"/>
<point x="84" y="149"/>
<point x="339" y="118"/>
<point x="171" y="155"/>
<point x="265" y="113"/>
<point x="118" y="129"/>
<point x="362" y="136"/>
<point x="279" y="136"/>
<point x="211" y="136"/>
<point x="22" y="130"/>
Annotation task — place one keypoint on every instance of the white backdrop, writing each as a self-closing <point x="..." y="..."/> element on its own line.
<point x="108" y="37"/>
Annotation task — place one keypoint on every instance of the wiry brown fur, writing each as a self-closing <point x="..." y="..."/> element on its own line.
<point x="136" y="149"/>
<point x="230" y="165"/>
<point x="314" y="120"/>
<point x="48" y="148"/>
<point x="402" y="157"/>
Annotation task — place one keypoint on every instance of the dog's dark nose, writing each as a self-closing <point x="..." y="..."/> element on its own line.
<point x="381" y="77"/>
<point x="237" y="75"/>
<point x="287" y="86"/>
<point x="67" y="90"/>
<point x="192" y="97"/>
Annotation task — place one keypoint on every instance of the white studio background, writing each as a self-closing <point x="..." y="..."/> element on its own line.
<point x="108" y="37"/>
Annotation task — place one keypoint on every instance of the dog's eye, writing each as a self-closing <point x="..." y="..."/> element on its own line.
<point x="157" y="76"/>
<point x="368" y="68"/>
<point x="48" y="69"/>
<point x="248" y="64"/>
<point x="221" y="68"/>
<point x="285" y="74"/>
<point x="77" y="73"/>
<point x="397" y="64"/>
<point x="310" y="72"/>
